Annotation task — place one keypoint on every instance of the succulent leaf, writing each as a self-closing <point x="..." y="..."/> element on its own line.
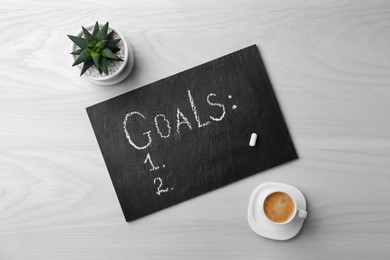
<point x="92" y="44"/>
<point x="84" y="56"/>
<point x="78" y="41"/>
<point x="76" y="52"/>
<point x="102" y="44"/>
<point x="95" y="28"/>
<point x="109" y="54"/>
<point x="112" y="43"/>
<point x="88" y="37"/>
<point x="96" y="58"/>
<point x="102" y="33"/>
<point x="104" y="65"/>
<point x="86" y="66"/>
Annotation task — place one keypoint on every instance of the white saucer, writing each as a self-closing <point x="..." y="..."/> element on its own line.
<point x="259" y="222"/>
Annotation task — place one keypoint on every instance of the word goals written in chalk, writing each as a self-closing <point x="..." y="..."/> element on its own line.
<point x="163" y="127"/>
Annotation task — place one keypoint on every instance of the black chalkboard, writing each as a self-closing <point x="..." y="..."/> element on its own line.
<point x="189" y="134"/>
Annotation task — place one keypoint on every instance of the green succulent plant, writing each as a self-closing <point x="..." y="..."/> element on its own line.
<point x="95" y="49"/>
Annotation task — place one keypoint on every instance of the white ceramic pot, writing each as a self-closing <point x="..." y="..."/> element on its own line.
<point x="123" y="70"/>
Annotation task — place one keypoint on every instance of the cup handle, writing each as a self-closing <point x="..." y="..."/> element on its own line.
<point x="301" y="213"/>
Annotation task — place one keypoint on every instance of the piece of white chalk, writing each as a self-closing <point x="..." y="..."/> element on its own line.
<point x="253" y="140"/>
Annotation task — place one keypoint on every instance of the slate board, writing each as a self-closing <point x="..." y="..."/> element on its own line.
<point x="153" y="167"/>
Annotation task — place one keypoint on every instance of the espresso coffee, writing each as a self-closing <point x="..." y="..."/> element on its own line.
<point x="279" y="207"/>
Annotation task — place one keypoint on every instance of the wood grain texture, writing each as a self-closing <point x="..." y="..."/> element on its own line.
<point x="329" y="63"/>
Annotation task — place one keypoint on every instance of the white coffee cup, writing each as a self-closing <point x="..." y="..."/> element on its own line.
<point x="297" y="212"/>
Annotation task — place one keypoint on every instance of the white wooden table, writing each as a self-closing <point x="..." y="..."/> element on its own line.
<point x="329" y="63"/>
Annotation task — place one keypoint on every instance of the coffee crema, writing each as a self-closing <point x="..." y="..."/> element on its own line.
<point x="279" y="207"/>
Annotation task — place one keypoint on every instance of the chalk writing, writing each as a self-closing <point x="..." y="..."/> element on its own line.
<point x="151" y="163"/>
<point x="128" y="135"/>
<point x="185" y="121"/>
<point x="158" y="128"/>
<point x="163" y="128"/>
<point x="196" y="112"/>
<point x="159" y="190"/>
<point x="218" y="105"/>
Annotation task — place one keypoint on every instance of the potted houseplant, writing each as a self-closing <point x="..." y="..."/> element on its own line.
<point x="102" y="54"/>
